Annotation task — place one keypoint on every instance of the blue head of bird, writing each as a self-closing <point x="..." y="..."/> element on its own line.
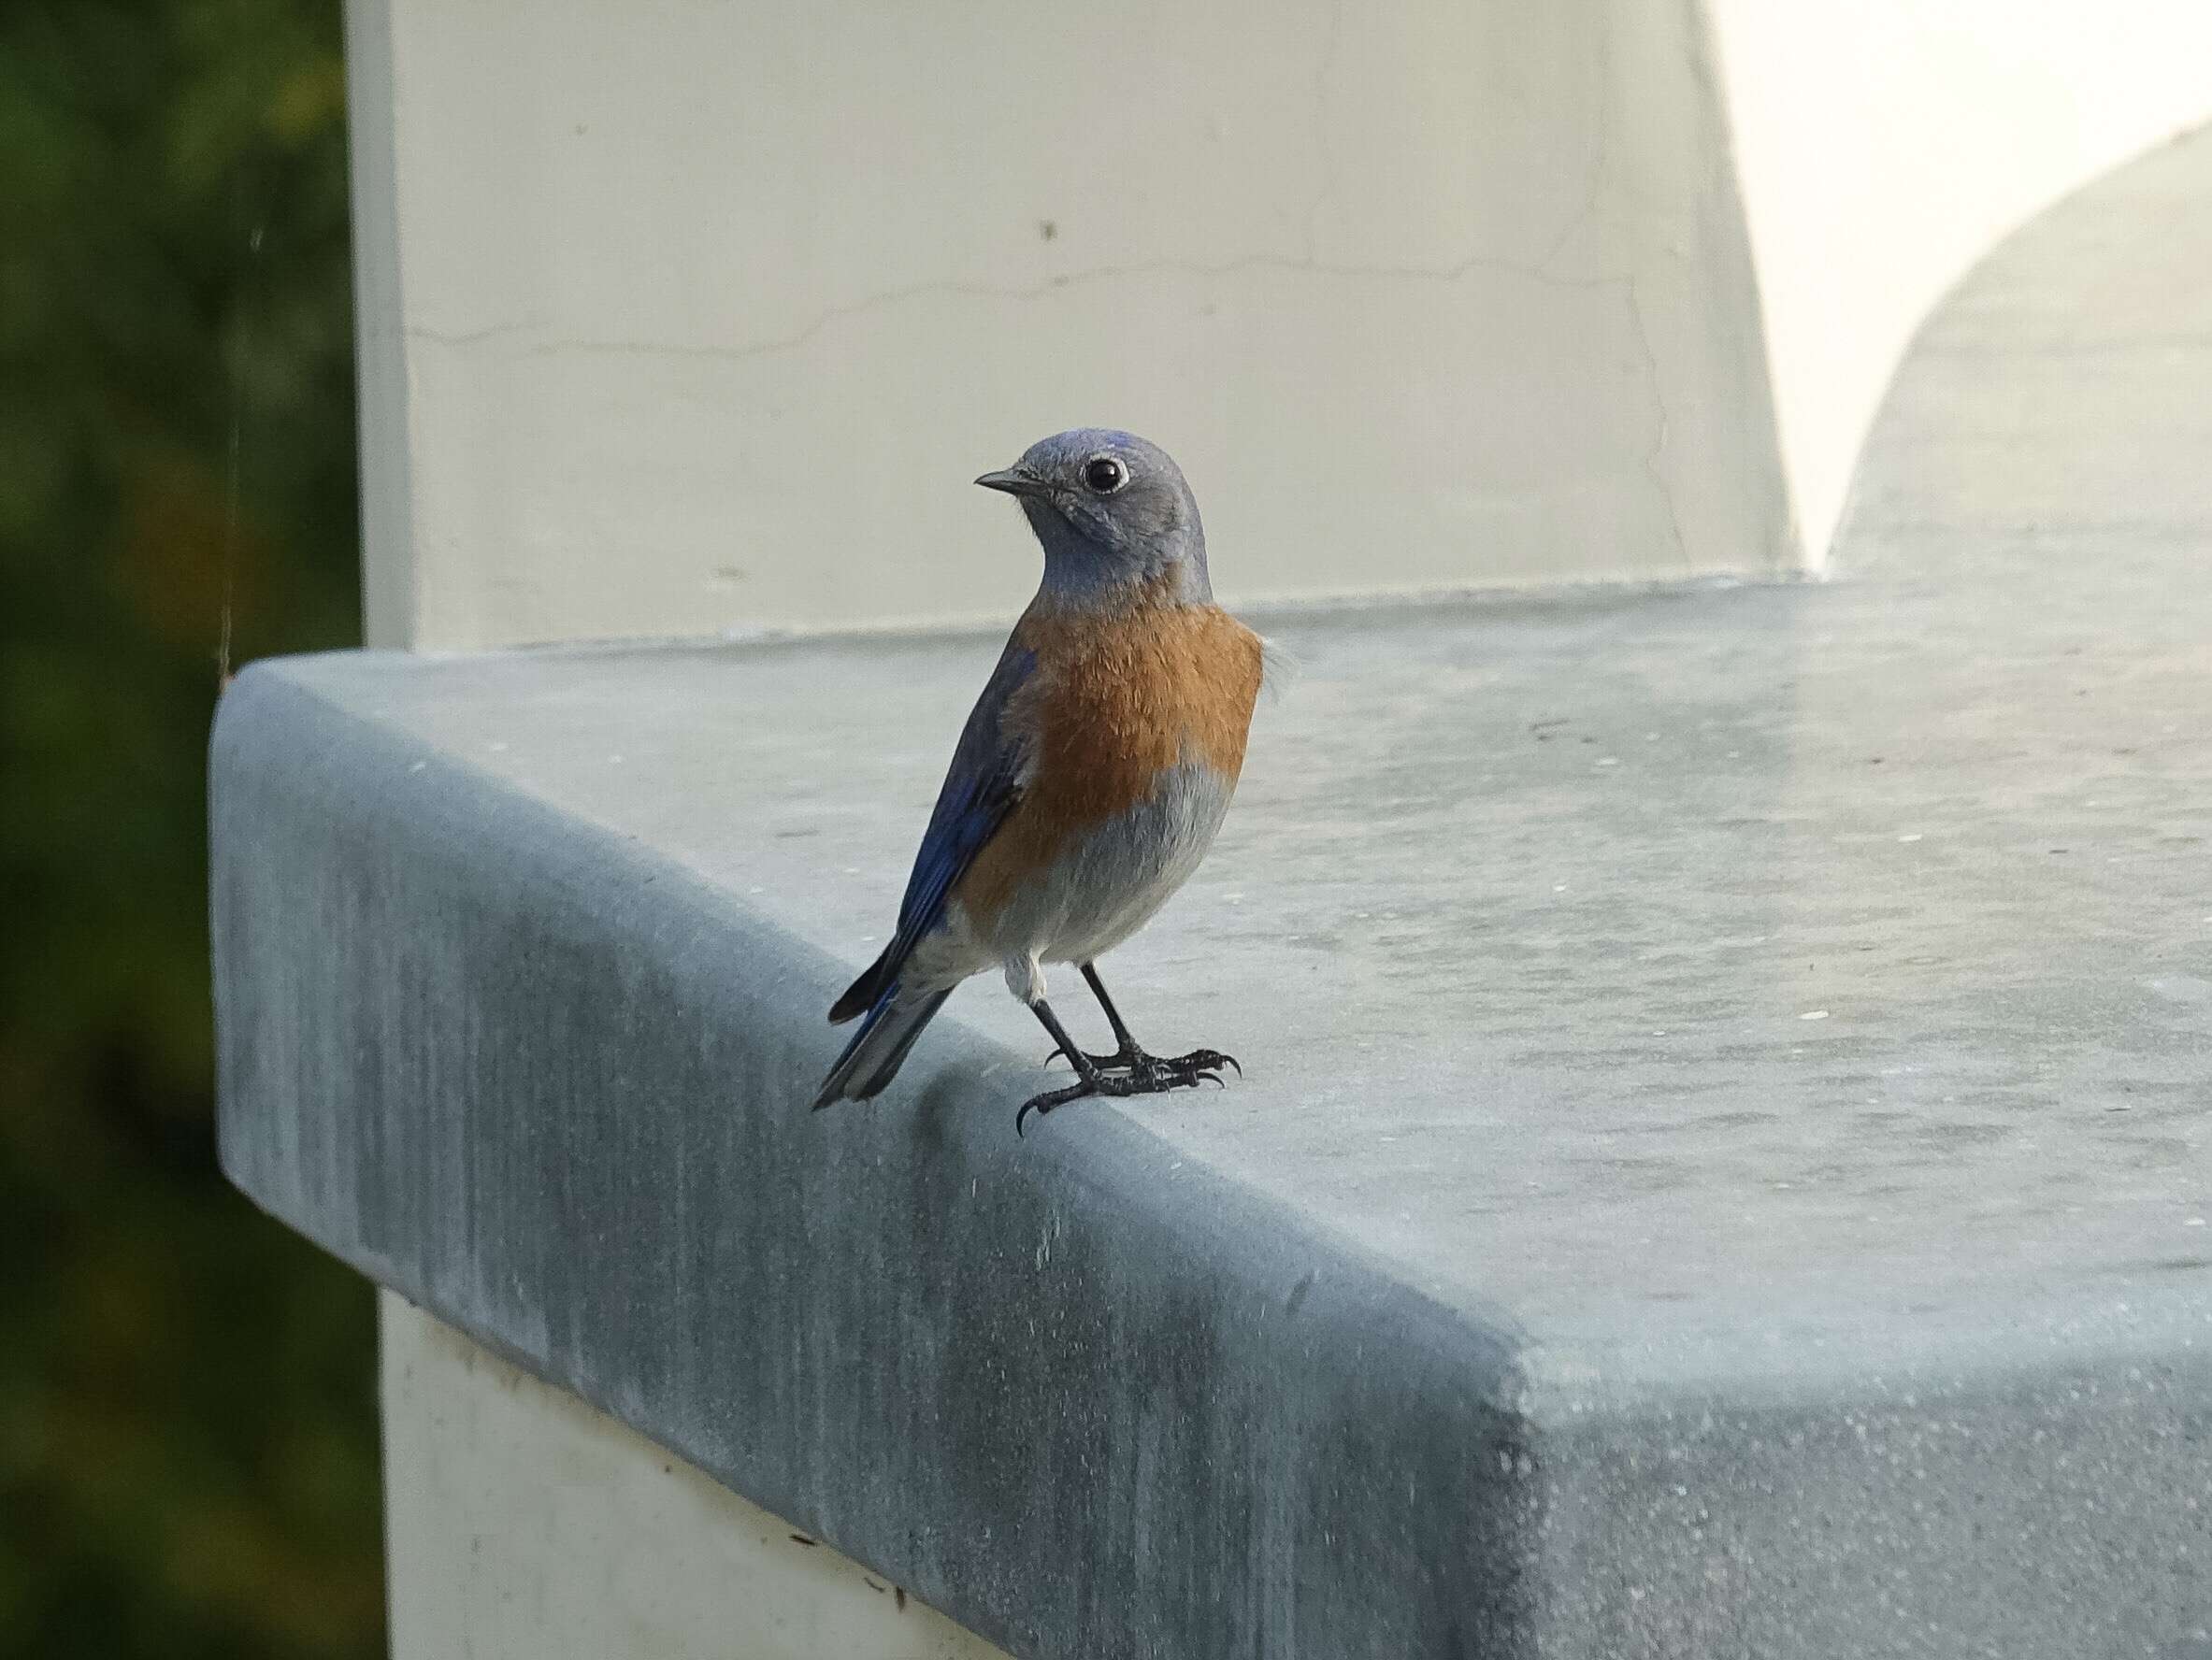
<point x="1114" y="516"/>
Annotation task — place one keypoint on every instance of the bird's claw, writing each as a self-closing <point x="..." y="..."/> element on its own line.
<point x="1166" y="1072"/>
<point x="1099" y="1084"/>
<point x="1132" y="1073"/>
<point x="1204" y="1061"/>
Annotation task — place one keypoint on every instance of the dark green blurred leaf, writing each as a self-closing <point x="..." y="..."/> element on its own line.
<point x="187" y="1432"/>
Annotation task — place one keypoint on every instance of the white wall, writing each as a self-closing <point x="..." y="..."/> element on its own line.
<point x="702" y="315"/>
<point x="522" y="1525"/>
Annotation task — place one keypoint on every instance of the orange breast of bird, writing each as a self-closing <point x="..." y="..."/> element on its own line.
<point x="1114" y="703"/>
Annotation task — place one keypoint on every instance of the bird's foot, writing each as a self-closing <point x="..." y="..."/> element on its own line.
<point x="1200" y="1065"/>
<point x="1159" y="1073"/>
<point x="1132" y="1072"/>
<point x="1040" y="1105"/>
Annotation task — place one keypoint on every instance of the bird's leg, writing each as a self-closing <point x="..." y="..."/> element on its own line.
<point x="1156" y="1077"/>
<point x="1127" y="1055"/>
<point x="1091" y="1082"/>
<point x="1130" y="1058"/>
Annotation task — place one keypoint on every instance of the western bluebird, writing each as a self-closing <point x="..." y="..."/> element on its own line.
<point x="1090" y="779"/>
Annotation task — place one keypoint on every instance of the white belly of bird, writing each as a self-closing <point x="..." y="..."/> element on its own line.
<point x="1119" y="874"/>
<point x="1102" y="889"/>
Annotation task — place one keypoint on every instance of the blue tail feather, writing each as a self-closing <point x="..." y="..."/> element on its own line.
<point x="878" y="1050"/>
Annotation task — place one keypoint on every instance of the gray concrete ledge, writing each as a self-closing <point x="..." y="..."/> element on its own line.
<point x="1721" y="1170"/>
<point x="553" y="1086"/>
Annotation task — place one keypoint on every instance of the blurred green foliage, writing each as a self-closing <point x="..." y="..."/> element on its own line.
<point x="187" y="1413"/>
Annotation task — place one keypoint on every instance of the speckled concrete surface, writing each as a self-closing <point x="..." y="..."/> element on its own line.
<point x="1761" y="1035"/>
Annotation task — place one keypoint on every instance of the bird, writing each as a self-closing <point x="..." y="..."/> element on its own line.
<point x="1090" y="779"/>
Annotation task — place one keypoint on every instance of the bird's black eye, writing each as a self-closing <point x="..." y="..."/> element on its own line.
<point x="1104" y="474"/>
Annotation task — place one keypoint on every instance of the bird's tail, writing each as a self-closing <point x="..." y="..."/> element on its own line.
<point x="878" y="1050"/>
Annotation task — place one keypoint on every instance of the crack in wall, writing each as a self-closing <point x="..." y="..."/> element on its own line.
<point x="1442" y="275"/>
<point x="1458" y="271"/>
<point x="1666" y="425"/>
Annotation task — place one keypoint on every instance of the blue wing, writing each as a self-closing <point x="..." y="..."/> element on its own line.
<point x="980" y="787"/>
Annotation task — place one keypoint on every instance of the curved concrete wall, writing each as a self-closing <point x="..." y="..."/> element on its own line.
<point x="1883" y="147"/>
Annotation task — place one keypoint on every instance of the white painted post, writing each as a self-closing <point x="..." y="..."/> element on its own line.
<point x="701" y="316"/>
<point x="522" y="1525"/>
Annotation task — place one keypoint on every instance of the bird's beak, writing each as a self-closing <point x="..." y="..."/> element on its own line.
<point x="1014" y="483"/>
